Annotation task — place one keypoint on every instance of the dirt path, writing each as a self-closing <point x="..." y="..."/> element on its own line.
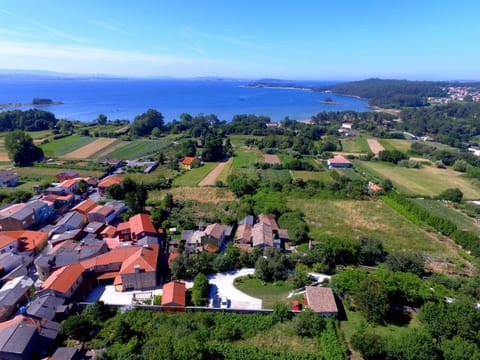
<point x="212" y="175"/>
<point x="375" y="146"/>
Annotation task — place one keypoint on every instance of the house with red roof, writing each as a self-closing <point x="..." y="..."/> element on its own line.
<point x="338" y="161"/>
<point x="102" y="213"/>
<point x="214" y="235"/>
<point x="174" y="296"/>
<point x="321" y="300"/>
<point x="65" y="281"/>
<point x="69" y="185"/>
<point x="105" y="183"/>
<point x="143" y="230"/>
<point x="66" y="175"/>
<point x="189" y="162"/>
<point x="85" y="207"/>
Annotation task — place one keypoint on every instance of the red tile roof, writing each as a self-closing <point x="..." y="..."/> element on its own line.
<point x="123" y="226"/>
<point x="28" y="240"/>
<point x="63" y="279"/>
<point x="338" y="159"/>
<point x="109" y="231"/>
<point x="174" y="294"/>
<point x="67" y="183"/>
<point x="85" y="206"/>
<point x="188" y="160"/>
<point x="6" y="240"/>
<point x="146" y="257"/>
<point x="141" y="223"/>
<point x="109" y="181"/>
<point x="269" y="219"/>
<point x="215" y="230"/>
<point x="103" y="210"/>
<point x="321" y="299"/>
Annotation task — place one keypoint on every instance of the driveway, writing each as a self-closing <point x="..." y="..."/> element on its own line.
<point x="221" y="285"/>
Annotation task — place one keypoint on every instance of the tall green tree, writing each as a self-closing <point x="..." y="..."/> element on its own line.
<point x="200" y="290"/>
<point x="20" y="148"/>
<point x="144" y="124"/>
<point x="372" y="300"/>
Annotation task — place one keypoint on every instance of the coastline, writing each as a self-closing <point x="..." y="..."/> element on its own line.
<point x="31" y="104"/>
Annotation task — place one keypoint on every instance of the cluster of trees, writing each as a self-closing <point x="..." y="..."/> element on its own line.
<point x="466" y="239"/>
<point x="393" y="156"/>
<point x="21" y="149"/>
<point x="134" y="194"/>
<point x="450" y="124"/>
<point x="446" y="331"/>
<point x="29" y="120"/>
<point x="140" y="334"/>
<point x="391" y="93"/>
<point x="144" y="124"/>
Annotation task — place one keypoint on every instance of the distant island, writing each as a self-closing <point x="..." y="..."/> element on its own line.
<point x="329" y="101"/>
<point x="35" y="102"/>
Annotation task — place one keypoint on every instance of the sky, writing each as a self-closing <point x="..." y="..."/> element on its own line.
<point x="251" y="39"/>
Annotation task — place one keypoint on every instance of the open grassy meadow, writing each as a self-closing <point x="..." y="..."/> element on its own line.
<point x="311" y="175"/>
<point x="246" y="158"/>
<point x="60" y="147"/>
<point x="427" y="181"/>
<point x="272" y="175"/>
<point x="356" y="144"/>
<point x="352" y="219"/>
<point x="239" y="140"/>
<point x="194" y="176"/>
<point x="203" y="195"/>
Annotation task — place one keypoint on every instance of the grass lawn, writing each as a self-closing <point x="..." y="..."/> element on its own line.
<point x="354" y="322"/>
<point x="281" y="337"/>
<point x="275" y="175"/>
<point x="200" y="194"/>
<point x="246" y="158"/>
<point x="239" y="140"/>
<point x="427" y="181"/>
<point x="270" y="293"/>
<point x="445" y="211"/>
<point x="194" y="176"/>
<point x="353" y="218"/>
<point x="396" y="144"/>
<point x="59" y="147"/>
<point x="350" y="173"/>
<point x="312" y="175"/>
<point x="357" y="144"/>
<point x="137" y="149"/>
<point x="227" y="170"/>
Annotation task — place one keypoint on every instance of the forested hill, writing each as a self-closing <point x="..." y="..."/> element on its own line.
<point x="391" y="93"/>
<point x="30" y="120"/>
<point x="382" y="92"/>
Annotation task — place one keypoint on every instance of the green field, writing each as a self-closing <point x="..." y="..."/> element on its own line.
<point x="194" y="176"/>
<point x="443" y="210"/>
<point x="396" y="144"/>
<point x="239" y="140"/>
<point x="352" y="219"/>
<point x="59" y="147"/>
<point x="350" y="173"/>
<point x="275" y="175"/>
<point x="246" y="158"/>
<point x="356" y="144"/>
<point x="137" y="149"/>
<point x="312" y="175"/>
<point x="428" y="181"/>
<point x="270" y="293"/>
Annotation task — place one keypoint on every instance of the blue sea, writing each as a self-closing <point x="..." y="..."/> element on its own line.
<point x="85" y="99"/>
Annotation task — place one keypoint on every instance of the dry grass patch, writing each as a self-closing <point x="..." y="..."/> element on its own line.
<point x="200" y="194"/>
<point x="90" y="149"/>
<point x="375" y="146"/>
<point x="4" y="156"/>
<point x="271" y="159"/>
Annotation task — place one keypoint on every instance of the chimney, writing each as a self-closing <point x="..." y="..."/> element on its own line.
<point x="137" y="268"/>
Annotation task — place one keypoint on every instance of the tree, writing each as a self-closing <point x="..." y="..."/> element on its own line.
<point x="454" y="195"/>
<point x="213" y="149"/>
<point x="308" y="323"/>
<point x="188" y="148"/>
<point x="144" y="124"/>
<point x="406" y="261"/>
<point x="369" y="344"/>
<point x="82" y="187"/>
<point x="393" y="156"/>
<point x="301" y="277"/>
<point x="20" y="148"/>
<point x="156" y="132"/>
<point x="459" y="349"/>
<point x="101" y="119"/>
<point x="200" y="290"/>
<point x="77" y="327"/>
<point x="371" y="251"/>
<point x="372" y="300"/>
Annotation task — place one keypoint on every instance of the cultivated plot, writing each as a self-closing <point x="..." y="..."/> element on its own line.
<point x="88" y="150"/>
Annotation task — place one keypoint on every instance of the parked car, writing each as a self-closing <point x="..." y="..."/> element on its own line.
<point x="224" y="303"/>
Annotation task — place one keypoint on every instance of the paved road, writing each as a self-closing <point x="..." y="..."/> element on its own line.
<point x="222" y="286"/>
